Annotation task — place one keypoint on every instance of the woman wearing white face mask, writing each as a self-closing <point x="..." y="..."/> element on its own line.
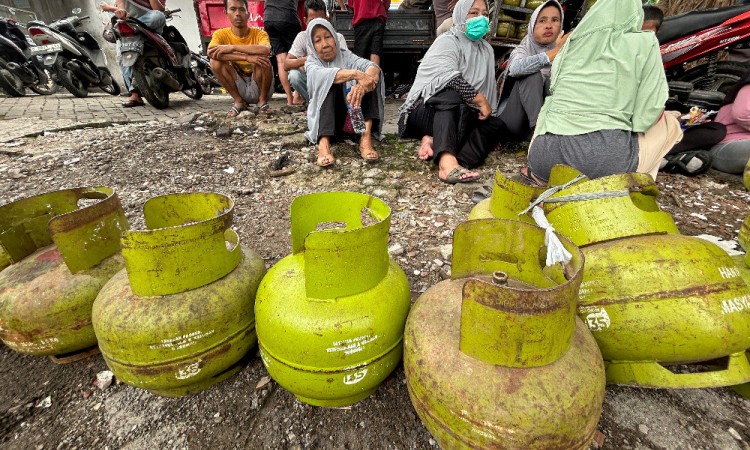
<point x="452" y="105"/>
<point x="523" y="86"/>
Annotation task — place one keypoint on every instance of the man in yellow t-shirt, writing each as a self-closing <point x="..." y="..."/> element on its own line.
<point x="240" y="59"/>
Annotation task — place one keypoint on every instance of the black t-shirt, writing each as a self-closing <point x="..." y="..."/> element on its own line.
<point x="281" y="11"/>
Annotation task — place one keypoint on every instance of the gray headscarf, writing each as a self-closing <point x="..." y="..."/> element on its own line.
<point x="451" y="55"/>
<point x="530" y="47"/>
<point x="320" y="76"/>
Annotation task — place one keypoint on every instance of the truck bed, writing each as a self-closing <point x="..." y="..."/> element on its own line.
<point x="405" y="32"/>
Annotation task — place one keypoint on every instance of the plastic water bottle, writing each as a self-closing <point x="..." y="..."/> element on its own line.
<point x="358" y="120"/>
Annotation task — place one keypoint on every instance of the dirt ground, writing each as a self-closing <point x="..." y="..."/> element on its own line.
<point x="49" y="406"/>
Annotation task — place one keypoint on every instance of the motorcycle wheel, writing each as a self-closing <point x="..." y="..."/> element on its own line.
<point x="9" y="83"/>
<point x="203" y="80"/>
<point x="195" y="92"/>
<point x="728" y="73"/>
<point x="46" y="85"/>
<point x="149" y="87"/>
<point x="112" y="88"/>
<point x="66" y="77"/>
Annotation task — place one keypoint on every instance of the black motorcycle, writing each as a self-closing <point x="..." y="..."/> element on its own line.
<point x="19" y="66"/>
<point x="76" y="56"/>
<point x="161" y="62"/>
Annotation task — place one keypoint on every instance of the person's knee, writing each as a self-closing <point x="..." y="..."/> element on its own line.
<point x="297" y="79"/>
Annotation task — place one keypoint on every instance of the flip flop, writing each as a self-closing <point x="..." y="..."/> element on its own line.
<point x="325" y="161"/>
<point x="455" y="176"/>
<point x="132" y="103"/>
<point x="679" y="162"/>
<point x="530" y="177"/>
<point x="264" y="108"/>
<point x="235" y="111"/>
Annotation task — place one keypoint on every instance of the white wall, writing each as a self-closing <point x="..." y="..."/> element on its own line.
<point x="186" y="23"/>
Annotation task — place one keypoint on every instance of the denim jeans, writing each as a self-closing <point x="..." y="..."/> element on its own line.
<point x="156" y="21"/>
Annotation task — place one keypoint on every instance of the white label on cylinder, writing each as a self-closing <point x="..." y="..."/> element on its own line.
<point x="189" y="371"/>
<point x="355" y="377"/>
<point x="353" y="345"/>
<point x="180" y="342"/>
<point x="597" y="318"/>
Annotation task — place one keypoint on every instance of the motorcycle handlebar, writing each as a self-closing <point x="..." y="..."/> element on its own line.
<point x="84" y="17"/>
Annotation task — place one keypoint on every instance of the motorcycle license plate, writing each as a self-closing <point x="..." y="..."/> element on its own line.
<point x="132" y="46"/>
<point x="44" y="49"/>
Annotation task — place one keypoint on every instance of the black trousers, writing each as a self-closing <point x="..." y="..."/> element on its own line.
<point x="523" y="105"/>
<point x="455" y="128"/>
<point x="333" y="112"/>
<point x="700" y="137"/>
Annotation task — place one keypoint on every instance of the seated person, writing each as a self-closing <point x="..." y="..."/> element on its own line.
<point x="329" y="69"/>
<point x="297" y="56"/>
<point x="523" y="87"/>
<point x="605" y="112"/>
<point x="731" y="155"/>
<point x="653" y="17"/>
<point x="452" y="105"/>
<point x="151" y="14"/>
<point x="240" y="60"/>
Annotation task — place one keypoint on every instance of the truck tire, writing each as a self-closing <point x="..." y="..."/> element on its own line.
<point x="66" y="77"/>
<point x="153" y="91"/>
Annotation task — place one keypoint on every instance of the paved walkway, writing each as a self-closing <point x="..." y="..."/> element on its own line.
<point x="33" y="114"/>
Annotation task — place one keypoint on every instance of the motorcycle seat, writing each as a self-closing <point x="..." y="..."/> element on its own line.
<point x="684" y="24"/>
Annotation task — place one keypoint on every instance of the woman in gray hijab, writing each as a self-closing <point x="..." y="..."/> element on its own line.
<point x="523" y="85"/>
<point x="330" y="69"/>
<point x="452" y="105"/>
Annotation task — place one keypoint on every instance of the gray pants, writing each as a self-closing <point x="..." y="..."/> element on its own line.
<point x="523" y="104"/>
<point x="298" y="80"/>
<point x="731" y="157"/>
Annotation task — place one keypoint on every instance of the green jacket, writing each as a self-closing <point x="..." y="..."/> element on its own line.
<point x="607" y="76"/>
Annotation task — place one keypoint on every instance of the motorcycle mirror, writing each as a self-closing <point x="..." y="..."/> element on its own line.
<point x="76" y="11"/>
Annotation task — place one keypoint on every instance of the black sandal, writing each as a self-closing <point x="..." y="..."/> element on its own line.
<point x="678" y="163"/>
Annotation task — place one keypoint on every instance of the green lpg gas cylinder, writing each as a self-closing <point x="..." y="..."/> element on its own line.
<point x="746" y="175"/>
<point x="496" y="357"/>
<point x="180" y="316"/>
<point x="331" y="315"/>
<point x="744" y="235"/>
<point x="55" y="256"/>
<point x="651" y="297"/>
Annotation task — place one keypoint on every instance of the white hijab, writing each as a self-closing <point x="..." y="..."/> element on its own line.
<point x="451" y="55"/>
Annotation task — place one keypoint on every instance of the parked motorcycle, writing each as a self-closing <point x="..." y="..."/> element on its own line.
<point x="76" y="56"/>
<point x="161" y="62"/>
<point x="202" y="70"/>
<point x="19" y="66"/>
<point x="688" y="37"/>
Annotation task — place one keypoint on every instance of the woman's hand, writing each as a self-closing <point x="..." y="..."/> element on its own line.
<point x="355" y="95"/>
<point x="366" y="81"/>
<point x="121" y="14"/>
<point x="552" y="54"/>
<point x="485" y="110"/>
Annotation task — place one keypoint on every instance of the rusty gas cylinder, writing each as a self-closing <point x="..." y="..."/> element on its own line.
<point x="496" y="357"/>
<point x="331" y="315"/>
<point x="650" y="296"/>
<point x="746" y="175"/>
<point x="55" y="256"/>
<point x="180" y="316"/>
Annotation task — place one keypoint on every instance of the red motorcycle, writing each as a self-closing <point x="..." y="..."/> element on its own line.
<point x="700" y="34"/>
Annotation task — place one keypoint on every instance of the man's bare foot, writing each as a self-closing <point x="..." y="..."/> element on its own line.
<point x="297" y="99"/>
<point x="425" y="149"/>
<point x="452" y="172"/>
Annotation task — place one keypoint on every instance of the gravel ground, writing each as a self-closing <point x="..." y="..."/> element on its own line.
<point x="246" y="411"/>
